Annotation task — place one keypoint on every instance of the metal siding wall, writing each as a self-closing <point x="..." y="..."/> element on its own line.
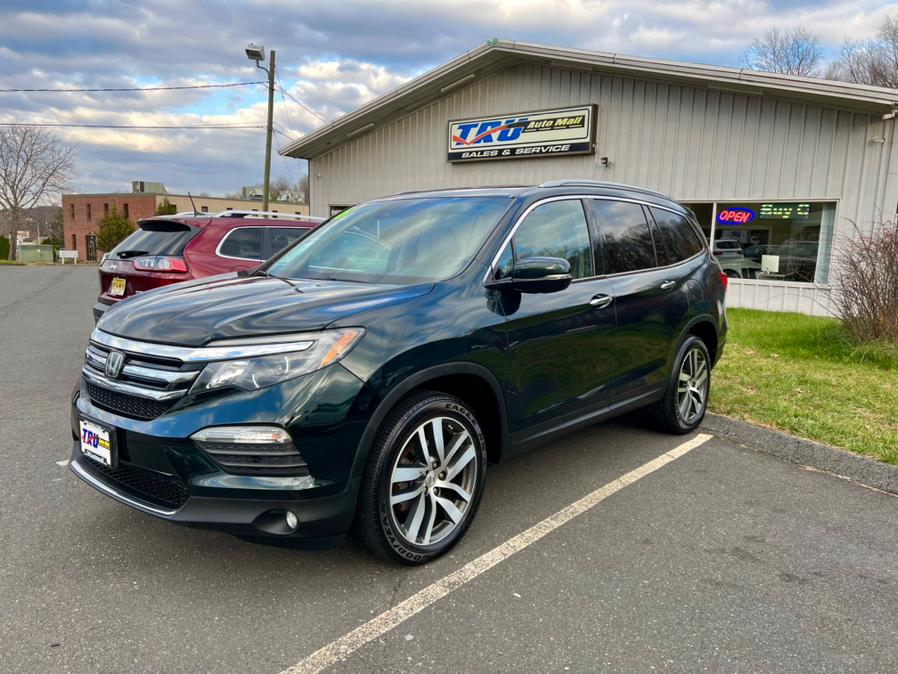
<point x="693" y="143"/>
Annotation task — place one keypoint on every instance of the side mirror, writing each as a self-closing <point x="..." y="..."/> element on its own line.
<point x="536" y="275"/>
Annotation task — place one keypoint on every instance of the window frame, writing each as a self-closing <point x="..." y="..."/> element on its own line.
<point x="218" y="252"/>
<point x="656" y="228"/>
<point x="590" y="233"/>
<point x="649" y="223"/>
<point x="506" y="240"/>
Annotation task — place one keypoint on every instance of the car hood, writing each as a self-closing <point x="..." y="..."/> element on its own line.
<point x="231" y="306"/>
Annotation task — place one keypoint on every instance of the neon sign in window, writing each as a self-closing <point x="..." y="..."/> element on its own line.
<point x="735" y="215"/>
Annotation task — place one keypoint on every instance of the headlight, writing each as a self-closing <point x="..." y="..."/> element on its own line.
<point x="312" y="351"/>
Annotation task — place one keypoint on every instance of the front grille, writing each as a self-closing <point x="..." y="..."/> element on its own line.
<point x="143" y="387"/>
<point x="163" y="490"/>
<point x="127" y="405"/>
<point x="256" y="459"/>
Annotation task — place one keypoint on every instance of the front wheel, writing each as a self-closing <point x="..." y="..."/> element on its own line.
<point x="686" y="399"/>
<point x="423" y="480"/>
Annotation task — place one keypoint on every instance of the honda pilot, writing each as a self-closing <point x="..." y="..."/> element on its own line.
<point x="367" y="376"/>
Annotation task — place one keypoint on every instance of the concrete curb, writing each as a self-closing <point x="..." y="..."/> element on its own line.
<point x="806" y="452"/>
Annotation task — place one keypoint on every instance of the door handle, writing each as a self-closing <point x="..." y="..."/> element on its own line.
<point x="601" y="301"/>
<point x="667" y="285"/>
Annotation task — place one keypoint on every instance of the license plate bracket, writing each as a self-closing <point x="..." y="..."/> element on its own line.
<point x="98" y="442"/>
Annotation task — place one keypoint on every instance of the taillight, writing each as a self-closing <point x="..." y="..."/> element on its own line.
<point x="725" y="280"/>
<point x="160" y="263"/>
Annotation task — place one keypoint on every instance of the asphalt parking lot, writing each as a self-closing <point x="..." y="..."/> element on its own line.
<point x="722" y="560"/>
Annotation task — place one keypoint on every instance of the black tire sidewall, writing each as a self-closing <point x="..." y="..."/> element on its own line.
<point x="405" y="422"/>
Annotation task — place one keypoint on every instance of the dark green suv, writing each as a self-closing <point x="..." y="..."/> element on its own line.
<point x="368" y="375"/>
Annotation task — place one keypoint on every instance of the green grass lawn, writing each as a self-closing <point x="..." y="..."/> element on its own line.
<point x="800" y="374"/>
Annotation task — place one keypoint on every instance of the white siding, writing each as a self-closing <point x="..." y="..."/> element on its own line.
<point x="696" y="144"/>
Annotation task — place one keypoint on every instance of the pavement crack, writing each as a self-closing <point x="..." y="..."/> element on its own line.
<point x="395" y="593"/>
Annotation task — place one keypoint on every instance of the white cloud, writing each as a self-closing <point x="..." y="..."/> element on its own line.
<point x="333" y="56"/>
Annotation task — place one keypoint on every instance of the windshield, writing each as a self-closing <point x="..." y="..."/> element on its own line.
<point x="400" y="241"/>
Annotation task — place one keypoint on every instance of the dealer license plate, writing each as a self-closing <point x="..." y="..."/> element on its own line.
<point x="117" y="287"/>
<point x="96" y="442"/>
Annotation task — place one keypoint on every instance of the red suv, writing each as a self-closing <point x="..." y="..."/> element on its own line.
<point x="175" y="248"/>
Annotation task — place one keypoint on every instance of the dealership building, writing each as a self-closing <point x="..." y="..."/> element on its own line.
<point x="776" y="168"/>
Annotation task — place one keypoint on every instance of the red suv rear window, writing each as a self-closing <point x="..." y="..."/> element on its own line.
<point x="155" y="237"/>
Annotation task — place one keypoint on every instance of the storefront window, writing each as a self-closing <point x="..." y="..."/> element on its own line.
<point x="786" y="241"/>
<point x="704" y="213"/>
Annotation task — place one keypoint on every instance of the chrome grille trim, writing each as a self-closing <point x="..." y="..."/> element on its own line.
<point x="202" y="354"/>
<point x="162" y="378"/>
<point x="165" y="377"/>
<point x="131" y="389"/>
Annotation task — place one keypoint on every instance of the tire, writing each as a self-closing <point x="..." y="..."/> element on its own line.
<point x="668" y="413"/>
<point x="417" y="519"/>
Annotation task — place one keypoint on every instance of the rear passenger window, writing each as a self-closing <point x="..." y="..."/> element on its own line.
<point x="680" y="237"/>
<point x="627" y="240"/>
<point x="243" y="242"/>
<point x="281" y="237"/>
<point x="557" y="229"/>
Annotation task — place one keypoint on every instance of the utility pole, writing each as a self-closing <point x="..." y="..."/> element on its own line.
<point x="267" y="187"/>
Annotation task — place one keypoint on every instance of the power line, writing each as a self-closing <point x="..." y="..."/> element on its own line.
<point x="118" y="89"/>
<point x="137" y="126"/>
<point x="286" y="93"/>
<point x="284" y="101"/>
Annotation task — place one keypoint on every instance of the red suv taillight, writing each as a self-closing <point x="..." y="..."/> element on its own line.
<point x="160" y="263"/>
<point x="725" y="280"/>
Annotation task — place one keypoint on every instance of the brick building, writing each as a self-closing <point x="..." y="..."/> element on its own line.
<point x="81" y="213"/>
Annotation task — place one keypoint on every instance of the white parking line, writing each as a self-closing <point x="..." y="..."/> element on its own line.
<point x="349" y="643"/>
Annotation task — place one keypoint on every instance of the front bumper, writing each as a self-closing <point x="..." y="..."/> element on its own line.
<point x="161" y="472"/>
<point x="318" y="517"/>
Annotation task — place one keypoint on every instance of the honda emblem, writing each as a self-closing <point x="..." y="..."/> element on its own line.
<point x="114" y="362"/>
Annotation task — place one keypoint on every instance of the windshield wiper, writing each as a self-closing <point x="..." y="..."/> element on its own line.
<point x="125" y="254"/>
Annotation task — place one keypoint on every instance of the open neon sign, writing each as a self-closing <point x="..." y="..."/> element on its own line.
<point x="735" y="215"/>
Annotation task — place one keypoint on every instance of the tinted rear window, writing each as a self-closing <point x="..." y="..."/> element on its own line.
<point x="680" y="238"/>
<point x="243" y="242"/>
<point x="155" y="238"/>
<point x="628" y="244"/>
<point x="281" y="237"/>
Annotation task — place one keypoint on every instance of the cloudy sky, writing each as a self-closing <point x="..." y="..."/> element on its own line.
<point x="333" y="56"/>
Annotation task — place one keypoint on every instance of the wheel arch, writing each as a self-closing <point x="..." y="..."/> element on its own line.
<point x="473" y="383"/>
<point x="705" y="329"/>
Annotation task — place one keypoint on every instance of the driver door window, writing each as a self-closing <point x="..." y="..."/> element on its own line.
<point x="555" y="229"/>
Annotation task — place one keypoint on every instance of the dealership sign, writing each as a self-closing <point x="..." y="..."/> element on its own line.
<point x="544" y="133"/>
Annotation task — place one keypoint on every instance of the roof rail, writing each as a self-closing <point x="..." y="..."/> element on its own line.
<point x="266" y="214"/>
<point x="578" y="182"/>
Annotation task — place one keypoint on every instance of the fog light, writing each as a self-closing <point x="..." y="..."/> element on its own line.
<point x="292" y="520"/>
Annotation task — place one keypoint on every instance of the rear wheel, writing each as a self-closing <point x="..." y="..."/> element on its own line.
<point x="424" y="479"/>
<point x="686" y="399"/>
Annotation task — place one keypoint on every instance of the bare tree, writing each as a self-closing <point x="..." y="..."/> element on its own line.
<point x="873" y="62"/>
<point x="303" y="186"/>
<point x="278" y="187"/>
<point x="794" y="52"/>
<point x="35" y="167"/>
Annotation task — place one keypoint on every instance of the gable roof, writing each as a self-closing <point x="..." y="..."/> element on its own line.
<point x="497" y="55"/>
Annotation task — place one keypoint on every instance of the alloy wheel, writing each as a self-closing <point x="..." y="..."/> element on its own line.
<point x="433" y="481"/>
<point x="692" y="385"/>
